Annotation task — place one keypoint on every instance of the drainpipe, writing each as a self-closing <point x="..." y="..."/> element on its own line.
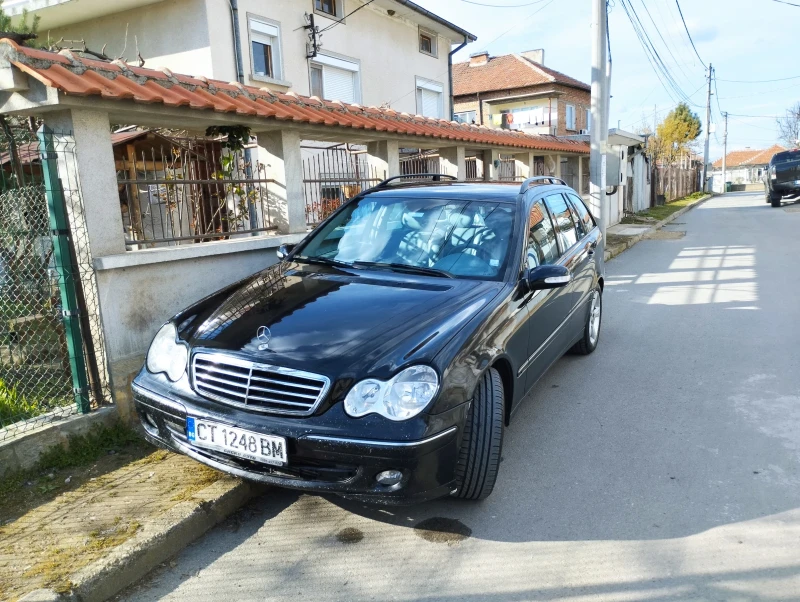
<point x="248" y="155"/>
<point x="237" y="40"/>
<point x="450" y="74"/>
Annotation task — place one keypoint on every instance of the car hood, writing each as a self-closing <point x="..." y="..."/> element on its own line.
<point x="335" y="321"/>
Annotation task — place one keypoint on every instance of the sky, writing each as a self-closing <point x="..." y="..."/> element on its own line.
<point x="742" y="39"/>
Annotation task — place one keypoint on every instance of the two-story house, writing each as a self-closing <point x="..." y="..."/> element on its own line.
<point x="390" y="53"/>
<point x="516" y="91"/>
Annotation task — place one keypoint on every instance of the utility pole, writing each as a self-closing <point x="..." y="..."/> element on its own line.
<point x="598" y="134"/>
<point x="708" y="127"/>
<point x="724" y="153"/>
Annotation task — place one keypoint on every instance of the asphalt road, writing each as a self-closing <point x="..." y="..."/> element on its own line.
<point x="666" y="466"/>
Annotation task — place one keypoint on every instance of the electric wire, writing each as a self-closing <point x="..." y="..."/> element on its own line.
<point x="355" y="10"/>
<point x="687" y="32"/>
<point x="503" y="5"/>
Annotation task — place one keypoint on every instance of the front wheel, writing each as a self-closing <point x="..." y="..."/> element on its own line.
<point x="482" y="443"/>
<point x="774" y="199"/>
<point x="591" y="330"/>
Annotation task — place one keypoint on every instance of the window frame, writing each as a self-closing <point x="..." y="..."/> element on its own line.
<point x="474" y="114"/>
<point x="588" y="118"/>
<point x="274" y="42"/>
<point x="338" y="10"/>
<point x="574" y="199"/>
<point x="567" y="125"/>
<point x="335" y="60"/>
<point x="434" y="38"/>
<point x="423" y="83"/>
<point x="563" y="251"/>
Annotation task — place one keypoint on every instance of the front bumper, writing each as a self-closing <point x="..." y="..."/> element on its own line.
<point x="320" y="460"/>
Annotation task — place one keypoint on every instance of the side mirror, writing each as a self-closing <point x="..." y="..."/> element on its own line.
<point x="548" y="276"/>
<point x="283" y="251"/>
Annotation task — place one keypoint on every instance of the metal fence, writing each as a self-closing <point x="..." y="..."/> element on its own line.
<point x="420" y="162"/>
<point x="52" y="360"/>
<point x="177" y="190"/>
<point x="332" y="176"/>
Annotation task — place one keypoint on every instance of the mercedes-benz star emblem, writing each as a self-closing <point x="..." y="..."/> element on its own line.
<point x="263" y="335"/>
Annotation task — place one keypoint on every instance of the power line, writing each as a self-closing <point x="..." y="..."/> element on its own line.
<point x="355" y="10"/>
<point x="687" y="32"/>
<point x="789" y="3"/>
<point x="759" y="81"/>
<point x="658" y="31"/>
<point x="755" y="116"/>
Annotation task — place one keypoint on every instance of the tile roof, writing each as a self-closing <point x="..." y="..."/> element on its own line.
<point x="749" y="156"/>
<point x="507" y="72"/>
<point x="75" y="75"/>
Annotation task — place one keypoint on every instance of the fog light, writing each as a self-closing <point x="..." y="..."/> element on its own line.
<point x="149" y="424"/>
<point x="389" y="477"/>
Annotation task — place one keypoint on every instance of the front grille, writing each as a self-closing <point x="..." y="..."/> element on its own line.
<point x="259" y="387"/>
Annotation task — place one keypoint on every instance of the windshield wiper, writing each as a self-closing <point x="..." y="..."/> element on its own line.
<point x="323" y="261"/>
<point x="404" y="267"/>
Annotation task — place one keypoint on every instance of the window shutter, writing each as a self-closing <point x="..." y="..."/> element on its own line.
<point x="430" y="103"/>
<point x="339" y="84"/>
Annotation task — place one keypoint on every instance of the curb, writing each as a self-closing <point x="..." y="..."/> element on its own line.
<point x="611" y="253"/>
<point x="154" y="544"/>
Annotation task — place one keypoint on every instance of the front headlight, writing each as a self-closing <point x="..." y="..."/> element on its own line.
<point x="401" y="398"/>
<point x="166" y="354"/>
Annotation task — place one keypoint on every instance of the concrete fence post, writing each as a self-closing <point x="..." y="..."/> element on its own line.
<point x="384" y="157"/>
<point x="491" y="164"/>
<point x="280" y="153"/>
<point x="454" y="161"/>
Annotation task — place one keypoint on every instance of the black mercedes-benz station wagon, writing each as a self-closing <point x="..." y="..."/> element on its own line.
<point x="383" y="356"/>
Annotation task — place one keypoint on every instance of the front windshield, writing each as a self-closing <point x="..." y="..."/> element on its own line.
<point x="465" y="239"/>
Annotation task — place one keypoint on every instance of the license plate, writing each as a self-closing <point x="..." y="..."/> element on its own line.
<point x="241" y="443"/>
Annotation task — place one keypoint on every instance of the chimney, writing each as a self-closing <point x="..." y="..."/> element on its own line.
<point x="536" y="56"/>
<point x="479" y="59"/>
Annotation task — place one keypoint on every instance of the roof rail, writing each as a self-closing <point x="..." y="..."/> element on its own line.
<point x="435" y="177"/>
<point x="540" y="180"/>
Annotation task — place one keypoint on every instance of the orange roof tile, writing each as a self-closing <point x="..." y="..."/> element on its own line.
<point x="507" y="72"/>
<point x="74" y="75"/>
<point x="749" y="156"/>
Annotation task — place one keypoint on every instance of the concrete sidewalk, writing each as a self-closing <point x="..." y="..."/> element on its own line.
<point x="91" y="541"/>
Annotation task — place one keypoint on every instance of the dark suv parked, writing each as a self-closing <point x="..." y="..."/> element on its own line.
<point x="383" y="356"/>
<point x="783" y="176"/>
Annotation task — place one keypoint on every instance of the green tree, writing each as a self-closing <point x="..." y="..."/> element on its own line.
<point x="676" y="134"/>
<point x="26" y="31"/>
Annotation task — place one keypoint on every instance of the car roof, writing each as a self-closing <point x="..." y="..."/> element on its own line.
<point x="468" y="191"/>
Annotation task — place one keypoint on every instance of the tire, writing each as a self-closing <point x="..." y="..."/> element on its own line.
<point x="767" y="195"/>
<point x="482" y="443"/>
<point x="774" y="199"/>
<point x="591" y="336"/>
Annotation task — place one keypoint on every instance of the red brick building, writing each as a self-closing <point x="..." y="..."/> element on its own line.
<point x="516" y="91"/>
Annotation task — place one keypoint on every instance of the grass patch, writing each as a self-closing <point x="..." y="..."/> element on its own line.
<point x="664" y="211"/>
<point x="106" y="446"/>
<point x="14" y="406"/>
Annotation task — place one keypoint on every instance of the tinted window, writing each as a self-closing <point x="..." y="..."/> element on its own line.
<point x="562" y="216"/>
<point x="585" y="218"/>
<point x="468" y="239"/>
<point x="542" y="246"/>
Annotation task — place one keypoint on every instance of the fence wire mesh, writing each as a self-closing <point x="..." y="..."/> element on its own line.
<point x="36" y="383"/>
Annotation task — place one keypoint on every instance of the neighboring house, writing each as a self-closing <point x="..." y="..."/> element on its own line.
<point x="516" y="91"/>
<point x="744" y="166"/>
<point x="390" y="53"/>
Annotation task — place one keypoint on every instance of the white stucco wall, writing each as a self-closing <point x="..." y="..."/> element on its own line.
<point x="172" y="33"/>
<point x="195" y="37"/>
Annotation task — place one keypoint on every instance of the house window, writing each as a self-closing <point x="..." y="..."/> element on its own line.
<point x="333" y="8"/>
<point x="571" y="117"/>
<point x="429" y="98"/>
<point x="334" y="78"/>
<point x="465" y="117"/>
<point x="265" y="48"/>
<point x="588" y="119"/>
<point x="427" y="42"/>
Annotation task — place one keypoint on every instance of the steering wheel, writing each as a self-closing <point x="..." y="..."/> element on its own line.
<point x="483" y="253"/>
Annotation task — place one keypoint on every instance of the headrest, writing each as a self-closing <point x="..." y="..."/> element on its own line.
<point x="459" y="220"/>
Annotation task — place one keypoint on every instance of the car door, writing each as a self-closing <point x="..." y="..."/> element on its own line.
<point x="547" y="308"/>
<point x="585" y="267"/>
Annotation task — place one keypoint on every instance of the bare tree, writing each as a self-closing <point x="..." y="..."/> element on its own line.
<point x="789" y="127"/>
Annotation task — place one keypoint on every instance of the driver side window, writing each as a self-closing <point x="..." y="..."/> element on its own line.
<point x="542" y="247"/>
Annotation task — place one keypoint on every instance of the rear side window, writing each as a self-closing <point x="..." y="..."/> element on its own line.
<point x="585" y="219"/>
<point x="542" y="247"/>
<point x="562" y="216"/>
